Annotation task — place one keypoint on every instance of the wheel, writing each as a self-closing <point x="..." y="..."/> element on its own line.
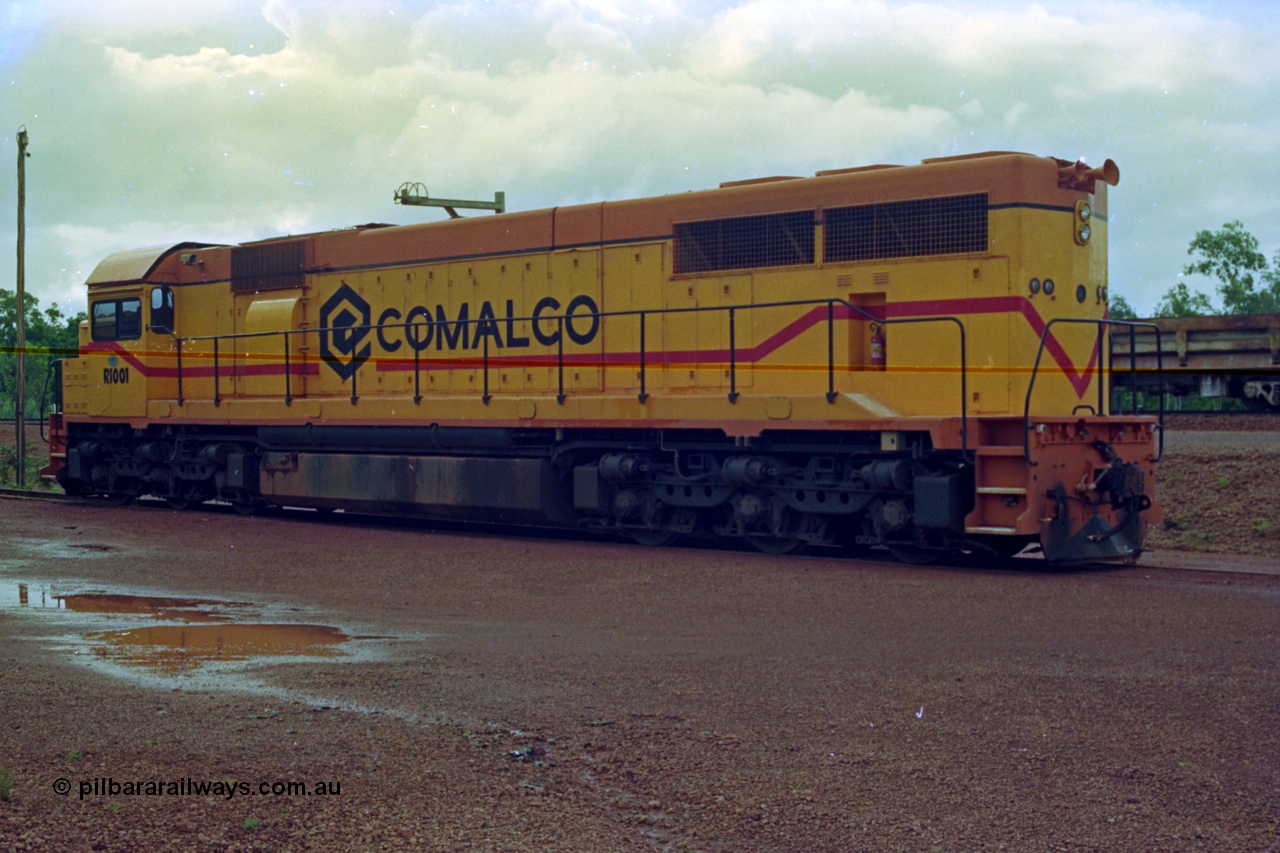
<point x="917" y="555"/>
<point x="118" y="498"/>
<point x="925" y="551"/>
<point x="776" y="545"/>
<point x="1254" y="404"/>
<point x="251" y="507"/>
<point x="653" y="538"/>
<point x="1003" y="547"/>
<point x="72" y="488"/>
<point x="179" y="504"/>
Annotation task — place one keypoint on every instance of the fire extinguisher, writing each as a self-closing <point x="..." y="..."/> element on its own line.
<point x="877" y="347"/>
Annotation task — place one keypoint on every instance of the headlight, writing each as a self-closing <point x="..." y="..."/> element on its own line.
<point x="1048" y="287"/>
<point x="1084" y="213"/>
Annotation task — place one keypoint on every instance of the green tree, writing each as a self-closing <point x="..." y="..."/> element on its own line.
<point x="1180" y="301"/>
<point x="49" y="335"/>
<point x="1247" y="284"/>
<point x="1118" y="308"/>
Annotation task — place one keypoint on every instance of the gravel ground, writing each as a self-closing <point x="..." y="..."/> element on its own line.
<point x="517" y="692"/>
<point x="556" y="694"/>
<point x="1219" y="486"/>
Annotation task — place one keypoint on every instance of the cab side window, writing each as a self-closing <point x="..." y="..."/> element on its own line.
<point x="117" y="320"/>
<point x="162" y="309"/>
<point x="104" y="321"/>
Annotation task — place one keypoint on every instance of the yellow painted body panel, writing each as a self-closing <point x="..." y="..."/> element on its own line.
<point x="780" y="351"/>
<point x="455" y="309"/>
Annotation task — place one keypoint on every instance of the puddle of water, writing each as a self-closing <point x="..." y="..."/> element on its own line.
<point x="42" y="550"/>
<point x="168" y="609"/>
<point x="174" y="648"/>
<point x="204" y="644"/>
<point x="40" y="596"/>
<point x="22" y="595"/>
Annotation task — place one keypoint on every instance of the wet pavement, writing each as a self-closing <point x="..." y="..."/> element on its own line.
<point x="123" y="634"/>
<point x="535" y="694"/>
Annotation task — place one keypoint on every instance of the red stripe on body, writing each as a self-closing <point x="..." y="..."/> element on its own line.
<point x="815" y="316"/>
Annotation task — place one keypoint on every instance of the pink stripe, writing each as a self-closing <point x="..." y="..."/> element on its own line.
<point x="225" y="370"/>
<point x="1079" y="379"/>
<point x="815" y="316"/>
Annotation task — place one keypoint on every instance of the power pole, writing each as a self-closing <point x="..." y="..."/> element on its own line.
<point x="21" y="393"/>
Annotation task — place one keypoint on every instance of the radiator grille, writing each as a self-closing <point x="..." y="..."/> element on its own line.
<point x="269" y="266"/>
<point x="774" y="240"/>
<point x="907" y="229"/>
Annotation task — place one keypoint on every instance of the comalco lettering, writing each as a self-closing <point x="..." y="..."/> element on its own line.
<point x="422" y="328"/>
<point x="347" y="323"/>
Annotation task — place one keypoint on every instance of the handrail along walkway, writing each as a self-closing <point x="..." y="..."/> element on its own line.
<point x="1102" y="407"/>
<point x="731" y="312"/>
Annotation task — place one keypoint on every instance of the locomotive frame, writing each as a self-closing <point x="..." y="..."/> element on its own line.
<point x="630" y="367"/>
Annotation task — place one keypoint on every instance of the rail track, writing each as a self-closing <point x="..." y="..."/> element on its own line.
<point x="1225" y="414"/>
<point x="1162" y="561"/>
<point x="1260" y="422"/>
<point x="33" y="494"/>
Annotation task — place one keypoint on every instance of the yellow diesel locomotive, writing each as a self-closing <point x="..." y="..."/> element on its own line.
<point x="890" y="356"/>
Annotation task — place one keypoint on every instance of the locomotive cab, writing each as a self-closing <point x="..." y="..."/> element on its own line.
<point x="130" y="330"/>
<point x="111" y="369"/>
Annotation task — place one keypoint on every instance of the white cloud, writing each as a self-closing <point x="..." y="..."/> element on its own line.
<point x="235" y="119"/>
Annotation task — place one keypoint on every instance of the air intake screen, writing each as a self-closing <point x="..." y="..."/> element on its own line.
<point x="907" y="229"/>
<point x="269" y="266"/>
<point x="776" y="240"/>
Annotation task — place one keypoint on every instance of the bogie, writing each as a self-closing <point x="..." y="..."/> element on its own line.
<point x="778" y="499"/>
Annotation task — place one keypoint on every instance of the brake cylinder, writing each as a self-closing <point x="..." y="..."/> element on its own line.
<point x="889" y="474"/>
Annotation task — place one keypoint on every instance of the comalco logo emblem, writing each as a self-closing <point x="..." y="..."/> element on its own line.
<point x="344" y="326"/>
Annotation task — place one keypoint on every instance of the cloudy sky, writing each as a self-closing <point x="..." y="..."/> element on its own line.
<point x="159" y="121"/>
